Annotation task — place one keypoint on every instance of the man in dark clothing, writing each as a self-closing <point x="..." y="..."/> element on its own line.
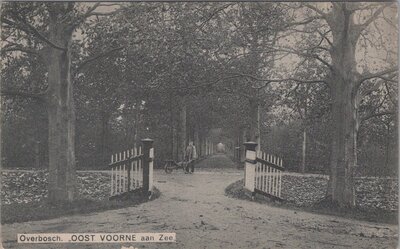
<point x="190" y="155"/>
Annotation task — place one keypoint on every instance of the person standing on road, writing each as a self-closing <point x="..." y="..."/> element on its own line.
<point x="190" y="154"/>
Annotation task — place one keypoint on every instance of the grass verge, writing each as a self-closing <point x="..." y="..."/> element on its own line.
<point x="236" y="190"/>
<point x="43" y="210"/>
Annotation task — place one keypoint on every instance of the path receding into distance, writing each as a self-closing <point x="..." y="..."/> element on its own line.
<point x="195" y="208"/>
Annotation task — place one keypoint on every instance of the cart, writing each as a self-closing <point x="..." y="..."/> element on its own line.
<point x="170" y="165"/>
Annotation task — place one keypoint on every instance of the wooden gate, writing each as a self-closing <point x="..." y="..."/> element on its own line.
<point x="263" y="172"/>
<point x="132" y="169"/>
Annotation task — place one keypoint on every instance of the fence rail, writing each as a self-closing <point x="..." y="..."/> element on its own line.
<point x="132" y="169"/>
<point x="263" y="172"/>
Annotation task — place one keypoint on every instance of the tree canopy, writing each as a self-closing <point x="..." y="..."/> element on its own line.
<point x="315" y="83"/>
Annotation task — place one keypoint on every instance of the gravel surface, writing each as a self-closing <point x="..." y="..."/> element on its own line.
<point x="195" y="208"/>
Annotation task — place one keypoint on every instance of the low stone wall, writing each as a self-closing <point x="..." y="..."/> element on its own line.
<point x="31" y="186"/>
<point x="371" y="192"/>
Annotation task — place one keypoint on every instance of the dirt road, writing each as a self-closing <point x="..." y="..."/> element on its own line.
<point x="196" y="209"/>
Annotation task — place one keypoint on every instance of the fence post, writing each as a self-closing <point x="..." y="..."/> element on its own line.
<point x="148" y="153"/>
<point x="250" y="165"/>
<point x="237" y="152"/>
<point x="128" y="168"/>
<point x="206" y="147"/>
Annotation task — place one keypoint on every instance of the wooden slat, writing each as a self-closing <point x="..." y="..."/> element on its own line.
<point x="112" y="181"/>
<point x="136" y="169"/>
<point x="124" y="179"/>
<point x="127" y="160"/>
<point x="140" y="169"/>
<point x="112" y="176"/>
<point x="280" y="183"/>
<point x="269" y="164"/>
<point x="119" y="179"/>
<point x="123" y="172"/>
<point x="268" y="174"/>
<point x="275" y="182"/>
<point x="272" y="181"/>
<point x="263" y="177"/>
<point x="126" y="170"/>
<point x="132" y="172"/>
<point x="116" y="180"/>
<point x="262" y="187"/>
<point x="269" y="179"/>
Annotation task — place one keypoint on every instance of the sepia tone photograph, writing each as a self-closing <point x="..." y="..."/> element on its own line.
<point x="199" y="125"/>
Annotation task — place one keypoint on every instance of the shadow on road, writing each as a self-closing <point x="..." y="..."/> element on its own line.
<point x="217" y="161"/>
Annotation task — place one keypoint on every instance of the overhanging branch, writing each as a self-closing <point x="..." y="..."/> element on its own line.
<point x="268" y="81"/>
<point x="28" y="28"/>
<point x="22" y="49"/>
<point x="83" y="17"/>
<point x="95" y="57"/>
<point x="369" y="76"/>
<point x="320" y="12"/>
<point x="375" y="15"/>
<point x="308" y="55"/>
<point x="214" y="13"/>
<point x="388" y="113"/>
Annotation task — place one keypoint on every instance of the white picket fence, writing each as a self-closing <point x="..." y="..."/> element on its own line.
<point x="126" y="171"/>
<point x="263" y="173"/>
<point x="132" y="169"/>
<point x="268" y="174"/>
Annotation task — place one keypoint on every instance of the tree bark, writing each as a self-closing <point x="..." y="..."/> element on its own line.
<point x="196" y="137"/>
<point x="183" y="130"/>
<point x="136" y="136"/>
<point x="61" y="113"/>
<point x="103" y="154"/>
<point x="203" y="146"/>
<point x="344" y="107"/>
<point x="242" y="147"/>
<point x="255" y="122"/>
<point x="387" y="144"/>
<point x="172" y="150"/>
<point x="344" y="144"/>
<point x="304" y="150"/>
<point x="37" y="155"/>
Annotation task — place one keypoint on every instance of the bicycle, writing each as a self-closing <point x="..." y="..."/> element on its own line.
<point x="170" y="165"/>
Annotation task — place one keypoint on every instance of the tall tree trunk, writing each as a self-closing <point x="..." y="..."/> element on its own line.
<point x="344" y="93"/>
<point x="201" y="147"/>
<point x="196" y="137"/>
<point x="304" y="146"/>
<point x="387" y="145"/>
<point x="136" y="136"/>
<point x="61" y="113"/>
<point x="183" y="131"/>
<point x="304" y="151"/>
<point x="204" y="142"/>
<point x="37" y="155"/>
<point x="104" y="139"/>
<point x="171" y="130"/>
<point x="206" y="149"/>
<point x="236" y="145"/>
<point x="344" y="145"/>
<point x="174" y="143"/>
<point x="255" y="122"/>
<point x="242" y="147"/>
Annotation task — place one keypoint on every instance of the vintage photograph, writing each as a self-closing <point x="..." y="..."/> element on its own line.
<point x="198" y="125"/>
